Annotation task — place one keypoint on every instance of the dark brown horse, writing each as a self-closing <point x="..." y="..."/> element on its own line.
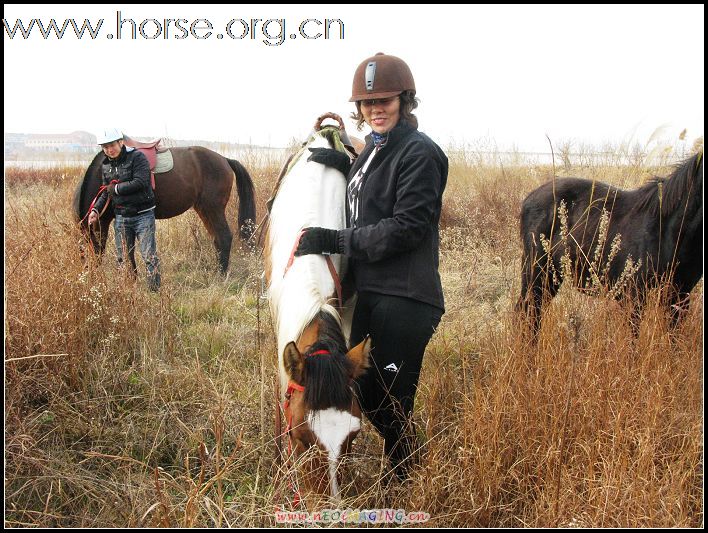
<point x="200" y="178"/>
<point x="658" y="228"/>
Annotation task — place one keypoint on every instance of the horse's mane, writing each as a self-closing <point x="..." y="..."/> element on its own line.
<point x="301" y="299"/>
<point x="332" y="135"/>
<point x="665" y="195"/>
<point x="327" y="376"/>
<point x="684" y="183"/>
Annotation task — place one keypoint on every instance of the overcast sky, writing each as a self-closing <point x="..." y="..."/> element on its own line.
<point x="504" y="75"/>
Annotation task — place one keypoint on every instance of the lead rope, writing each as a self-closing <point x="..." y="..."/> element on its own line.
<point x="93" y="202"/>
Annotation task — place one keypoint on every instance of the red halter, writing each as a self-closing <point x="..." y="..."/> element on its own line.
<point x="292" y="386"/>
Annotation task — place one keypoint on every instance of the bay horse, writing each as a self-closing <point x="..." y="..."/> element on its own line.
<point x="316" y="370"/>
<point x="200" y="178"/>
<point x="658" y="228"/>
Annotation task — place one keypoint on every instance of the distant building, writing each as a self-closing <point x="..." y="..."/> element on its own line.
<point x="81" y="146"/>
<point x="14" y="142"/>
<point x="78" y="141"/>
<point x="29" y="143"/>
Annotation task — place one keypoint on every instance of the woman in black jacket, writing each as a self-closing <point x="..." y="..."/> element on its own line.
<point x="394" y="196"/>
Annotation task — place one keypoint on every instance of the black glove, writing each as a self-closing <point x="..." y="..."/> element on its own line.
<point x="318" y="241"/>
<point x="330" y="157"/>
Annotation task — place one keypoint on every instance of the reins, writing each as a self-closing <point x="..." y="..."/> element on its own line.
<point x="93" y="202"/>
<point x="330" y="267"/>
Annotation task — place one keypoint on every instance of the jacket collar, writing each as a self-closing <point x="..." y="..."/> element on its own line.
<point x="395" y="136"/>
<point x="400" y="131"/>
<point x="119" y="159"/>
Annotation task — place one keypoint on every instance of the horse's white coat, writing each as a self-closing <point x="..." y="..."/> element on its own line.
<point x="309" y="195"/>
<point x="332" y="427"/>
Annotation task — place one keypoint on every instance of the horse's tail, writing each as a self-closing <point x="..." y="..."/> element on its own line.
<point x="246" y="200"/>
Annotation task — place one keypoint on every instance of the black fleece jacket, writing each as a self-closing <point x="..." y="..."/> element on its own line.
<point x="135" y="194"/>
<point x="394" y="247"/>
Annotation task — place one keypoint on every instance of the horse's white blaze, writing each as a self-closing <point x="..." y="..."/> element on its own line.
<point x="310" y="194"/>
<point x="332" y="427"/>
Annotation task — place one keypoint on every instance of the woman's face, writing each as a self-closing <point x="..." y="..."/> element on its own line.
<point x="381" y="114"/>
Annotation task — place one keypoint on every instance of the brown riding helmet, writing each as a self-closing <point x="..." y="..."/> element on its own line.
<point x="381" y="76"/>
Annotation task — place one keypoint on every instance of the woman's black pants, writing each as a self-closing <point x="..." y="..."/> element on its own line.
<point x="400" y="329"/>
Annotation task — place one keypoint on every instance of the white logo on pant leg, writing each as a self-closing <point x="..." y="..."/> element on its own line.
<point x="391" y="368"/>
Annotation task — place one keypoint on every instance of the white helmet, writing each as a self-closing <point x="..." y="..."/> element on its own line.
<point x="109" y="135"/>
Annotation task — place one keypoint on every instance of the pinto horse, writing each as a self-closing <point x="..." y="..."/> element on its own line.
<point x="316" y="368"/>
<point x="200" y="178"/>
<point x="660" y="233"/>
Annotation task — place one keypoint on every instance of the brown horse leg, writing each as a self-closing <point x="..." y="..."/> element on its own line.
<point x="218" y="228"/>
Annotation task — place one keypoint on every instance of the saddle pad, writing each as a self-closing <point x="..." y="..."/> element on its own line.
<point x="164" y="162"/>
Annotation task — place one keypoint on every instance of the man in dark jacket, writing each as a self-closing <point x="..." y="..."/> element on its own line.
<point x="126" y="175"/>
<point x="394" y="200"/>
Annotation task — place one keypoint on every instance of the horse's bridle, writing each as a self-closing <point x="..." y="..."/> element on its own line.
<point x="292" y="387"/>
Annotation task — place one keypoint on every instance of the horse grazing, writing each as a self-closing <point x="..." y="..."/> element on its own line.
<point x="655" y="231"/>
<point x="200" y="178"/>
<point x="316" y="368"/>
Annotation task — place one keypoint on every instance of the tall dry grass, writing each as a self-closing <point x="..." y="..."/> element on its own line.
<point x="125" y="408"/>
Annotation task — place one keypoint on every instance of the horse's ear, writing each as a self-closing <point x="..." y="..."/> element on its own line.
<point x="359" y="357"/>
<point x="293" y="362"/>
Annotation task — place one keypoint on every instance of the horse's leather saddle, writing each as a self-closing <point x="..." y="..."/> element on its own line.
<point x="159" y="157"/>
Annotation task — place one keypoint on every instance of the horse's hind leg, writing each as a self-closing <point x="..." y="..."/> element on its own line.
<point x="215" y="222"/>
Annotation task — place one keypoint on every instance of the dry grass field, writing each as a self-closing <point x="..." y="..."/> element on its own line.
<point x="125" y="408"/>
